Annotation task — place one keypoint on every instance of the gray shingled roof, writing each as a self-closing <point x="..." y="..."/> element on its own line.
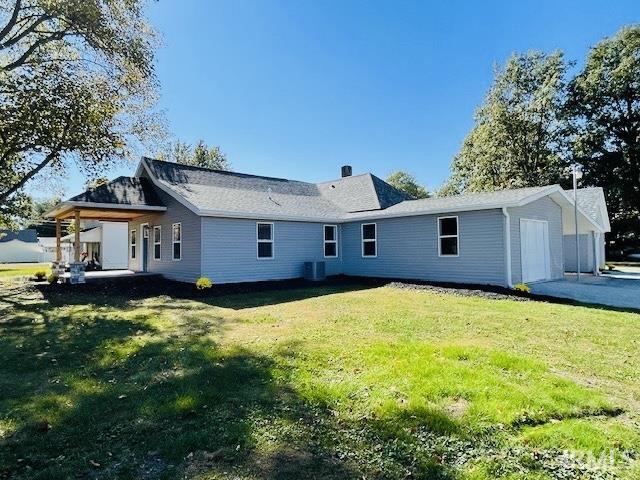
<point x="30" y="235"/>
<point x="590" y="201"/>
<point x="122" y="191"/>
<point x="360" y="196"/>
<point x="471" y="201"/>
<point x="217" y="190"/>
<point x="361" y="193"/>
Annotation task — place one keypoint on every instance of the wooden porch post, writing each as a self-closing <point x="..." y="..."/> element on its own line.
<point x="58" y="233"/>
<point x="77" y="239"/>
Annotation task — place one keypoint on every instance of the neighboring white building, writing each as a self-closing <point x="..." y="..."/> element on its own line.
<point x="20" y="247"/>
<point x="48" y="245"/>
<point x="105" y="242"/>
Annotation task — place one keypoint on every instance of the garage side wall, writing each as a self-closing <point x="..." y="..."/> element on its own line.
<point x="586" y="252"/>
<point x="542" y="209"/>
<point x="408" y="248"/>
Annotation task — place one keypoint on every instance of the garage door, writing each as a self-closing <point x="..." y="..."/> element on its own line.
<point x="534" y="245"/>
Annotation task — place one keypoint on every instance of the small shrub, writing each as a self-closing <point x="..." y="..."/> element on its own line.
<point x="203" y="283"/>
<point x="53" y="279"/>
<point x="522" y="287"/>
<point x="40" y="275"/>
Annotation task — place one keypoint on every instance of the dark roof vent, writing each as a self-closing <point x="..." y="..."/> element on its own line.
<point x="346" y="171"/>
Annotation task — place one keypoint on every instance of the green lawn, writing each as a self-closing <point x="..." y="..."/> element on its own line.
<point x="325" y="382"/>
<point x="23" y="269"/>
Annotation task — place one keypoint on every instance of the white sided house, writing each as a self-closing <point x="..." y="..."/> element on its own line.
<point x="185" y="222"/>
<point x="20" y="246"/>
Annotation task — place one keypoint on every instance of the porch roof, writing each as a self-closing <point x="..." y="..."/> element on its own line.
<point x="124" y="198"/>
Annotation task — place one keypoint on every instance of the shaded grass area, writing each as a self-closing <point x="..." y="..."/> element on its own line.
<point x="23" y="269"/>
<point x="337" y="381"/>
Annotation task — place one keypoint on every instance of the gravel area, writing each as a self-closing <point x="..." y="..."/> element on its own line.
<point x="495" y="293"/>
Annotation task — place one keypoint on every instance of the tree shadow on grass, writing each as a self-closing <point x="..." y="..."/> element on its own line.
<point x="92" y="395"/>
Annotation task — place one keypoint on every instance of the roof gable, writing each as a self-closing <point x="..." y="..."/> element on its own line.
<point x="592" y="202"/>
<point x="122" y="191"/>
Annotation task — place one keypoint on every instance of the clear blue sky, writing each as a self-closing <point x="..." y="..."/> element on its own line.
<point x="298" y="88"/>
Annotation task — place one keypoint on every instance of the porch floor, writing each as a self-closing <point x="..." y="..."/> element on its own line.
<point x="96" y="275"/>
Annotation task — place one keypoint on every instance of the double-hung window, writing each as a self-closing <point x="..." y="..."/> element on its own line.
<point x="448" y="237"/>
<point x="157" y="242"/>
<point x="176" y="240"/>
<point x="330" y="241"/>
<point x="264" y="238"/>
<point x="369" y="240"/>
<point x="132" y="243"/>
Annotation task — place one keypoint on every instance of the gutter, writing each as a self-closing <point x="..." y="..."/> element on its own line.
<point x="507" y="246"/>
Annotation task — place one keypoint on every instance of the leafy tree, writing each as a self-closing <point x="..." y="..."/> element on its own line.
<point x="76" y="83"/>
<point x="96" y="182"/>
<point x="199" y="156"/>
<point x="518" y="136"/>
<point x="408" y="184"/>
<point x="604" y="105"/>
<point x="13" y="213"/>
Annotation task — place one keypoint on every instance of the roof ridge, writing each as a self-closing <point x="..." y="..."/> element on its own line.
<point x="470" y="194"/>
<point x="346" y="178"/>
<point x="224" y="172"/>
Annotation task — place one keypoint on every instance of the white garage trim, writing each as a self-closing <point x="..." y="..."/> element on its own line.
<point x="535" y="254"/>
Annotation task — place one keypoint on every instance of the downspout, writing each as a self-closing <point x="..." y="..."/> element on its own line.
<point x="507" y="244"/>
<point x="595" y="238"/>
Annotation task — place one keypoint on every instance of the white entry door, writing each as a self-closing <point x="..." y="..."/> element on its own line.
<point x="534" y="246"/>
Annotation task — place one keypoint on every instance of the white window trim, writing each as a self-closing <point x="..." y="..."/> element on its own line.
<point x="159" y="242"/>
<point x="456" y="236"/>
<point x="374" y="240"/>
<point x="271" y="241"/>
<point x="325" y="241"/>
<point x="173" y="242"/>
<point x="133" y="246"/>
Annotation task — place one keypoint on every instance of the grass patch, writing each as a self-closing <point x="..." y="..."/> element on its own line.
<point x="322" y="382"/>
<point x="22" y="269"/>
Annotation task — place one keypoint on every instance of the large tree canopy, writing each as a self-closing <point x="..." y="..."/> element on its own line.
<point x="518" y="136"/>
<point x="604" y="104"/>
<point x="408" y="184"/>
<point x="76" y="83"/>
<point x="200" y="155"/>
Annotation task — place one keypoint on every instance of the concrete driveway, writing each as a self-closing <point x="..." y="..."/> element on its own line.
<point x="616" y="289"/>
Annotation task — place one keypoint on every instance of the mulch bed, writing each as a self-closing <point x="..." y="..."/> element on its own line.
<point x="149" y="286"/>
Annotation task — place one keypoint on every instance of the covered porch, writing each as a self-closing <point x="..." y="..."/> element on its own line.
<point x="124" y="199"/>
